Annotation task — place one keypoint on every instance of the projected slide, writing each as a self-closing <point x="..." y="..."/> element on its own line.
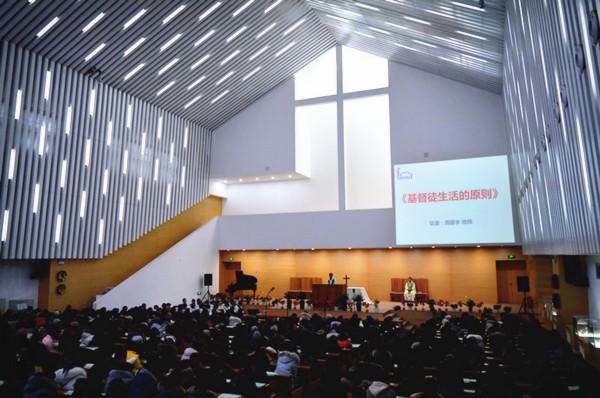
<point x="465" y="201"/>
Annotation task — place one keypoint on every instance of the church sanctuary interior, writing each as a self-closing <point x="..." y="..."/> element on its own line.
<point x="300" y="198"/>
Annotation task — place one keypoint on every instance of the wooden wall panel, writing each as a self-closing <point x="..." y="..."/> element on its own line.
<point x="452" y="273"/>
<point x="86" y="278"/>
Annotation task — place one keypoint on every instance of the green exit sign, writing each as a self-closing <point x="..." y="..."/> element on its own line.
<point x="230" y="259"/>
<point x="511" y="257"/>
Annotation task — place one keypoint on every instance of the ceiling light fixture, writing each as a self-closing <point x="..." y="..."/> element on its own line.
<point x="218" y="97"/>
<point x="47" y="27"/>
<point x="199" y="62"/>
<point x="256" y="54"/>
<point x="209" y="11"/>
<point x="192" y="102"/>
<point x="227" y="76"/>
<point x="133" y="19"/>
<point x="133" y="71"/>
<point x="293" y="27"/>
<point x="204" y="37"/>
<point x="265" y="30"/>
<point x="469" y="6"/>
<point x="284" y="49"/>
<point x="275" y="4"/>
<point x="173" y="14"/>
<point x="170" y="42"/>
<point x="229" y="57"/>
<point x="242" y="8"/>
<point x="474" y="36"/>
<point x="416" y="20"/>
<point x="249" y="75"/>
<point x="366" y="6"/>
<point x="168" y="66"/>
<point x="196" y="82"/>
<point x="94" y="52"/>
<point x="236" y="34"/>
<point x="135" y="45"/>
<point x="93" y="22"/>
<point x="165" y="88"/>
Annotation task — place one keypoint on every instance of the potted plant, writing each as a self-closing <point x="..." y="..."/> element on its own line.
<point x="454" y="306"/>
<point x="497" y="308"/>
<point x="309" y="303"/>
<point x="366" y="305"/>
<point x="359" y="300"/>
<point x="376" y="304"/>
<point x="410" y="305"/>
<point x="398" y="308"/>
<point x="431" y="303"/>
<point x="470" y="304"/>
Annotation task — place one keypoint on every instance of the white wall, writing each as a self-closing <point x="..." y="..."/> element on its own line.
<point x="594" y="289"/>
<point x="175" y="274"/>
<point x="318" y="123"/>
<point x="259" y="140"/>
<point x="15" y="283"/>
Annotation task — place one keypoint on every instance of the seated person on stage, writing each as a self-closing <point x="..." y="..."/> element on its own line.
<point x="410" y="290"/>
<point x="331" y="280"/>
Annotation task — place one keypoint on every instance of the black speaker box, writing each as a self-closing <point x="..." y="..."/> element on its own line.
<point x="555" y="282"/>
<point x="523" y="284"/>
<point x="207" y="279"/>
<point x="576" y="271"/>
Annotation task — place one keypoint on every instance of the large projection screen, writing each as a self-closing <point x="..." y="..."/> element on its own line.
<point x="465" y="201"/>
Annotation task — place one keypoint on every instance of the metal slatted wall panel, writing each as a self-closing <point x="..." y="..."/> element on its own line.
<point x="551" y="88"/>
<point x="86" y="168"/>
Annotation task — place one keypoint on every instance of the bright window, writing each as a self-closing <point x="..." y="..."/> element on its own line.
<point x="363" y="71"/>
<point x="317" y="79"/>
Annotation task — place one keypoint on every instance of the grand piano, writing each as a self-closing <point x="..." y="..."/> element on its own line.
<point x="242" y="282"/>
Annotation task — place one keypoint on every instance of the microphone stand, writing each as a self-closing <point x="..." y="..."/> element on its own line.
<point x="268" y="300"/>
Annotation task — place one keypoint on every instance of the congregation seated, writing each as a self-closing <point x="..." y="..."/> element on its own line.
<point x="204" y="349"/>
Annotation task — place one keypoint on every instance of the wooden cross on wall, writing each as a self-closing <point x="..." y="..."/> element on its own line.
<point x="346" y="279"/>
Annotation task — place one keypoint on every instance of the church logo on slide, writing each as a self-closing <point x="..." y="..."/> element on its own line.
<point x="403" y="175"/>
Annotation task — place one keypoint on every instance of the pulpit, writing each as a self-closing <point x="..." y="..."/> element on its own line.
<point x="326" y="294"/>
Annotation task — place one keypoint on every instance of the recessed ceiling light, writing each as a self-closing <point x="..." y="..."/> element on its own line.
<point x="229" y="57"/>
<point x="256" y="54"/>
<point x="411" y="247"/>
<point x="474" y="36"/>
<point x="133" y="71"/>
<point x="337" y="18"/>
<point x="433" y="247"/>
<point x="192" y="102"/>
<point x="312" y="248"/>
<point x="423" y="43"/>
<point x="93" y="22"/>
<point x="173" y="14"/>
<point x="209" y="11"/>
<point x="135" y="45"/>
<point x="284" y="49"/>
<point x="366" y="6"/>
<point x="170" y="42"/>
<point x="218" y="97"/>
<point x="236" y="34"/>
<point x="417" y="20"/>
<point x="454" y="61"/>
<point x="293" y="27"/>
<point x="196" y="82"/>
<point x="47" y="27"/>
<point x="407" y="47"/>
<point x="475" y="58"/>
<point x="242" y="8"/>
<point x="364" y="34"/>
<point x="469" y="6"/>
<point x="478" y="245"/>
<point x="275" y="4"/>
<point x="94" y="52"/>
<point x="199" y="62"/>
<point x="204" y="37"/>
<point x="441" y="14"/>
<point x="168" y="66"/>
<point x="227" y="76"/>
<point x="225" y="181"/>
<point x="256" y="179"/>
<point x="249" y="75"/>
<point x="265" y="30"/>
<point x="272" y="177"/>
<point x="289" y="176"/>
<point x="241" y="180"/>
<point x="132" y="20"/>
<point x="389" y="247"/>
<point x="373" y="28"/>
<point x="349" y="248"/>
<point x="165" y="88"/>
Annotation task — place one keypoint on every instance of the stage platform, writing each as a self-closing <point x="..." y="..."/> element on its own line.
<point x="414" y="316"/>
